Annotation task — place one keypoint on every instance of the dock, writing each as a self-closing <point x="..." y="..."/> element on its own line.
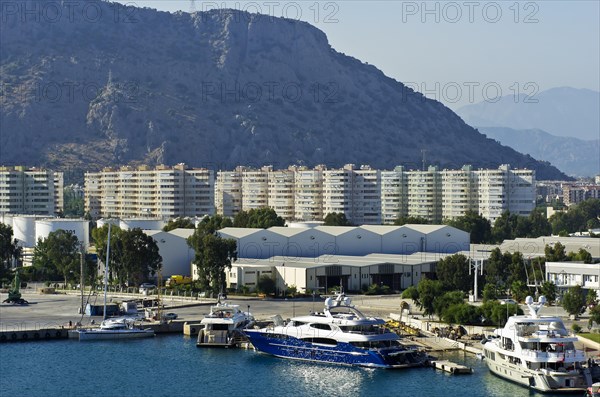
<point x="450" y="367"/>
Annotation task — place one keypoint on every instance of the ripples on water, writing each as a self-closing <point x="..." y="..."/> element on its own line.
<point x="174" y="366"/>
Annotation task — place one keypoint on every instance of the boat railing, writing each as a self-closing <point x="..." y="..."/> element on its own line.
<point x="568" y="354"/>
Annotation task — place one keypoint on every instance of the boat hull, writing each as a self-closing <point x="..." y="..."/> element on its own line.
<point x="343" y="353"/>
<point x="551" y="382"/>
<point x="99" y="334"/>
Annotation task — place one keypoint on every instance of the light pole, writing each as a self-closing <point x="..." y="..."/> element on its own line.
<point x="81" y="276"/>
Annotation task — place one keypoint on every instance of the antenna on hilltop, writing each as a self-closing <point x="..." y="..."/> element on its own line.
<point x="192" y="6"/>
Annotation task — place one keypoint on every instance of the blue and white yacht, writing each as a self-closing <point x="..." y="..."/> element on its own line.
<point x="341" y="334"/>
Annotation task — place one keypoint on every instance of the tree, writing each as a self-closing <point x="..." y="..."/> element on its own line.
<point x="60" y="250"/>
<point x="497" y="268"/>
<point x="265" y="285"/>
<point x="581" y="256"/>
<point x="179" y="223"/>
<point x="591" y="299"/>
<point x="410" y="220"/>
<point x="265" y="218"/>
<point x="260" y="218"/>
<point x="490" y="292"/>
<point x="217" y="255"/>
<point x="73" y="203"/>
<point x="213" y="254"/>
<point x="9" y="249"/>
<point x="211" y="224"/>
<point x="453" y="272"/>
<point x="556" y="253"/>
<point x="496" y="313"/>
<point x="504" y="227"/>
<point x="100" y="237"/>
<point x="443" y="302"/>
<point x="411" y="293"/>
<point x="139" y="256"/>
<point x="516" y="269"/>
<point x="476" y="225"/>
<point x="580" y="217"/>
<point x="539" y="224"/>
<point x="573" y="300"/>
<point x="519" y="290"/>
<point x="548" y="289"/>
<point x="594" y="315"/>
<point x="428" y="291"/>
<point x="336" y="219"/>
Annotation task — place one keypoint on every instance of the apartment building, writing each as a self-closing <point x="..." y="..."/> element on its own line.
<point x="30" y="191"/>
<point x="281" y="194"/>
<point x="505" y="189"/>
<point x="337" y="191"/>
<point x="394" y="195"/>
<point x="425" y="194"/>
<point x="459" y="192"/>
<point x="143" y="192"/>
<point x="366" y="196"/>
<point x="308" y="194"/>
<point x="575" y="194"/>
<point x="255" y="188"/>
<point x="228" y="192"/>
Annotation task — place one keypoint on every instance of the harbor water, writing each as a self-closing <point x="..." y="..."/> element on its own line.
<point x="173" y="366"/>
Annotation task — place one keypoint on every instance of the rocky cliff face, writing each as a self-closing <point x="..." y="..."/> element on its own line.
<point x="214" y="89"/>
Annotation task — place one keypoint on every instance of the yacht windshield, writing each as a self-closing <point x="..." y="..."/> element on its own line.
<point x="379" y="344"/>
<point x="363" y="329"/>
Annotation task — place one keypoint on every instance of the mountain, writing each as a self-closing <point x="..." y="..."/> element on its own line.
<point x="123" y="85"/>
<point x="574" y="156"/>
<point x="563" y="111"/>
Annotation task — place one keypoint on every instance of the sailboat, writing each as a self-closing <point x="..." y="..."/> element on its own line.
<point x="120" y="328"/>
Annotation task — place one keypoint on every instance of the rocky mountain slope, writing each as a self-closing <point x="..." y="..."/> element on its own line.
<point x="110" y="84"/>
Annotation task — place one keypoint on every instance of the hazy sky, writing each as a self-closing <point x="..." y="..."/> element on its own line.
<point x="458" y="52"/>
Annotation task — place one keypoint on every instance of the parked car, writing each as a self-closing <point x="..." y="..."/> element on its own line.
<point x="508" y="302"/>
<point x="170" y="316"/>
<point x="147" y="286"/>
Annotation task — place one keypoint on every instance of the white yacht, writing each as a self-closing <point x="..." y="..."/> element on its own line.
<point x="223" y="325"/>
<point x="341" y="334"/>
<point x="112" y="328"/>
<point x="109" y="329"/>
<point x="537" y="352"/>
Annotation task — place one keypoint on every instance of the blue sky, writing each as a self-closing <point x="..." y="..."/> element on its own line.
<point x="458" y="52"/>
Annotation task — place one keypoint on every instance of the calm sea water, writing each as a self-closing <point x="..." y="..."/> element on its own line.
<point x="174" y="366"/>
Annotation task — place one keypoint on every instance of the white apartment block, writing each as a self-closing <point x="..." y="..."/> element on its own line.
<point x="281" y="193"/>
<point x="366" y="197"/>
<point x="308" y="194"/>
<point x="337" y="191"/>
<point x="142" y="192"/>
<point x="255" y="188"/>
<point x="228" y="192"/>
<point x="503" y="190"/>
<point x="30" y="191"/>
<point x="425" y="194"/>
<point x="459" y="192"/>
<point x="394" y="195"/>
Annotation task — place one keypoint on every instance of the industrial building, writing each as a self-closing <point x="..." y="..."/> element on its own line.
<point x="346" y="240"/>
<point x="321" y="257"/>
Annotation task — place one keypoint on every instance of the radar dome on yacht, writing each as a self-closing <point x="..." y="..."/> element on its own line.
<point x="347" y="301"/>
<point x="328" y="302"/>
<point x="529" y="300"/>
<point x="542" y="299"/>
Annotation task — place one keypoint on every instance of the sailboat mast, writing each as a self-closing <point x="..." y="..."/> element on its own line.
<point x="106" y="270"/>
